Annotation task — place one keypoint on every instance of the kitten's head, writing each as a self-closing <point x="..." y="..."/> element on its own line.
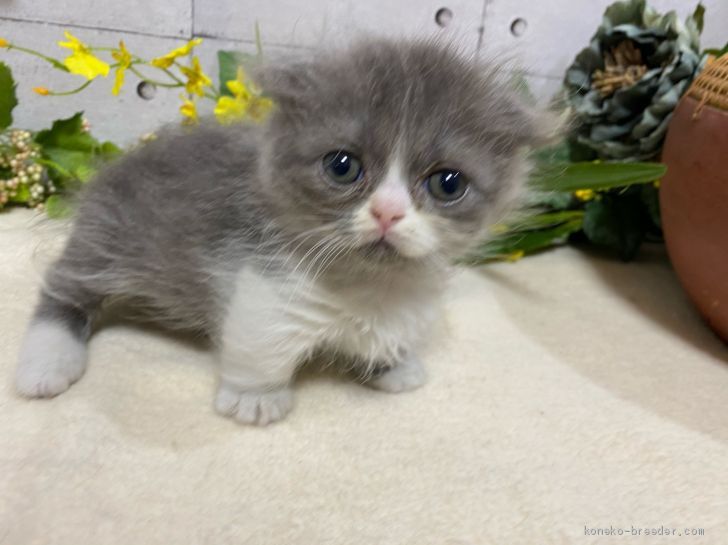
<point x="393" y="152"/>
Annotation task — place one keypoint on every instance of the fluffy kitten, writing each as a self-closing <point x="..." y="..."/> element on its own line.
<point x="330" y="227"/>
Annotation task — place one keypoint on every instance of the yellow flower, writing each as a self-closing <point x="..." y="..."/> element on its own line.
<point x="123" y="57"/>
<point x="165" y="61"/>
<point x="4" y="42"/>
<point x="657" y="183"/>
<point x="584" y="194"/>
<point x="197" y="80"/>
<point x="188" y="111"/>
<point x="259" y="108"/>
<point x="514" y="256"/>
<point x="229" y="109"/>
<point x="41" y="91"/>
<point x="237" y="86"/>
<point x="243" y="102"/>
<point x="82" y="61"/>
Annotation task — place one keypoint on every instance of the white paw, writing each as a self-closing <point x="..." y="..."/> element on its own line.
<point x="259" y="407"/>
<point x="402" y="377"/>
<point x="51" y="359"/>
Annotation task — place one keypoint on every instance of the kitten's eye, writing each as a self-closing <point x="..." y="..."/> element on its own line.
<point x="342" y="167"/>
<point x="446" y="185"/>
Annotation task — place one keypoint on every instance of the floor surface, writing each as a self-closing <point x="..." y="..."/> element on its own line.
<point x="568" y="395"/>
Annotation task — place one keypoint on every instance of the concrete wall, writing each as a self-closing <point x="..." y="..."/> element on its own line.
<point x="541" y="36"/>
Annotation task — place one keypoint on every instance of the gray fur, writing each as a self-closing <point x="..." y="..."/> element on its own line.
<point x="169" y="224"/>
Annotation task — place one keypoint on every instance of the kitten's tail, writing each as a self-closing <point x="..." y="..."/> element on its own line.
<point x="53" y="351"/>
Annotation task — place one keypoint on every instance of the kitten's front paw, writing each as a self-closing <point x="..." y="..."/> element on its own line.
<point x="259" y="407"/>
<point x="402" y="377"/>
<point x="51" y="359"/>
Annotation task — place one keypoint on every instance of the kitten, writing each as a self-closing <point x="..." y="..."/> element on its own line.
<point x="332" y="226"/>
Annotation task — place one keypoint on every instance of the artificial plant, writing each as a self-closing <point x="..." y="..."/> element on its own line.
<point x="621" y="91"/>
<point x="38" y="168"/>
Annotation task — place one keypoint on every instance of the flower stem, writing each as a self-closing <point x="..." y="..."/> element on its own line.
<point x="72" y="91"/>
<point x="171" y="75"/>
<point x="155" y="82"/>
<point x="258" y="41"/>
<point x="55" y="62"/>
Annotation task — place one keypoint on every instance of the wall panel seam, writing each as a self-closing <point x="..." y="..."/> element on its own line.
<point x="90" y="27"/>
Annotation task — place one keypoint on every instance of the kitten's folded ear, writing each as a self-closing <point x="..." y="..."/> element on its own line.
<point x="515" y="110"/>
<point x="539" y="126"/>
<point x="287" y="83"/>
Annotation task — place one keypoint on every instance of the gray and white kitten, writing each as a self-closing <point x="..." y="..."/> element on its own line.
<point x="331" y="227"/>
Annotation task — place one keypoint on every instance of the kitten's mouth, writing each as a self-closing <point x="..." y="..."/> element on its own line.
<point x="381" y="249"/>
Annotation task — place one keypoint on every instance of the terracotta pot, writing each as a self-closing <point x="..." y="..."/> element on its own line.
<point x="694" y="206"/>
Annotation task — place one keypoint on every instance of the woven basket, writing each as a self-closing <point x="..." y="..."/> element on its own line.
<point x="711" y="86"/>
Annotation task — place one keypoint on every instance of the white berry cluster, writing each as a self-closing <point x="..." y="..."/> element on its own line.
<point x="22" y="179"/>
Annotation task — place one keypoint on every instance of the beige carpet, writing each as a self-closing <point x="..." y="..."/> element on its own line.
<point x="569" y="394"/>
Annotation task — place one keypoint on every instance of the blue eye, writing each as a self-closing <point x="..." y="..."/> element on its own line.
<point x="342" y="167"/>
<point x="446" y="185"/>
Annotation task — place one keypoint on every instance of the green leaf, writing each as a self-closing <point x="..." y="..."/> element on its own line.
<point x="552" y="154"/>
<point x="651" y="199"/>
<point x="596" y="176"/>
<point x="527" y="242"/>
<point x="529" y="235"/>
<point x="58" y="207"/>
<point x="229" y="62"/>
<point x="22" y="195"/>
<point x="617" y="222"/>
<point x="74" y="165"/>
<point x="57" y="172"/>
<point x="67" y="134"/>
<point x="544" y="220"/>
<point x="109" y="150"/>
<point x="699" y="17"/>
<point x="84" y="171"/>
<point x="70" y="152"/>
<point x="578" y="152"/>
<point x="8" y="100"/>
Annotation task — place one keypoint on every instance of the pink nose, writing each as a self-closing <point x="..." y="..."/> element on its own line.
<point x="387" y="214"/>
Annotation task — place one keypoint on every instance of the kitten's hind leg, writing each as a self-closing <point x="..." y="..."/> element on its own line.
<point x="53" y="351"/>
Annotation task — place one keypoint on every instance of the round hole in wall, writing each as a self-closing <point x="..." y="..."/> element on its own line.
<point x="518" y="27"/>
<point x="146" y="90"/>
<point x="443" y="17"/>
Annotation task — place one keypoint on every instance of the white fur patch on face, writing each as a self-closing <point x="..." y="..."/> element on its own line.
<point x="51" y="359"/>
<point x="414" y="234"/>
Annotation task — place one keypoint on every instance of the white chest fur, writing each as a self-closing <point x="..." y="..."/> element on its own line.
<point x="271" y="321"/>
